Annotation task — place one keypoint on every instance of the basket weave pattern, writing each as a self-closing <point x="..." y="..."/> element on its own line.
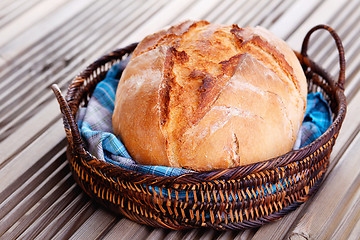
<point x="237" y="198"/>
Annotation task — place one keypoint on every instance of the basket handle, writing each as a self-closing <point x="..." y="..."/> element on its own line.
<point x="71" y="128"/>
<point x="341" y="79"/>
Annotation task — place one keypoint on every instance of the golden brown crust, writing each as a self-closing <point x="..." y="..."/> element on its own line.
<point x="136" y="104"/>
<point x="220" y="96"/>
<point x="163" y="37"/>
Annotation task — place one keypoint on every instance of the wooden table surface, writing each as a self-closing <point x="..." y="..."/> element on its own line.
<point x="49" y="41"/>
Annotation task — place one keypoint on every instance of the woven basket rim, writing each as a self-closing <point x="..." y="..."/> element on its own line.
<point x="227" y="173"/>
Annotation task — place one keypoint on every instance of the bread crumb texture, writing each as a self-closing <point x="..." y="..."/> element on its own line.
<point x="206" y="96"/>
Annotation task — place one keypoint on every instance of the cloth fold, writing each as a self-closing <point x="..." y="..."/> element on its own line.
<point x="95" y="125"/>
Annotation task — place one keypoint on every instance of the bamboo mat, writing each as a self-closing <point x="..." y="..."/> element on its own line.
<point x="44" y="42"/>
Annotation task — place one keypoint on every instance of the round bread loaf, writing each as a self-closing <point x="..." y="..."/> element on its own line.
<point x="205" y="96"/>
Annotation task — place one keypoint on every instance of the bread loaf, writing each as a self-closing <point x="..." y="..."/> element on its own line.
<point x="205" y="96"/>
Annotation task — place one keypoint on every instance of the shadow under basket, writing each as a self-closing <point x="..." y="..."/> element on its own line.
<point x="235" y="198"/>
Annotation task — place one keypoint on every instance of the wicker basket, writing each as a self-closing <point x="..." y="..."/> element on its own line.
<point x="237" y="198"/>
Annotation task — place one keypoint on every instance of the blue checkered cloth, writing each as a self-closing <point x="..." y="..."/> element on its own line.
<point x="95" y="124"/>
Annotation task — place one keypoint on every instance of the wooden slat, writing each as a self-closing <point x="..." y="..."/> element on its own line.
<point x="248" y="234"/>
<point x="28" y="203"/>
<point x="267" y="12"/>
<point x="233" y="9"/>
<point x="191" y="234"/>
<point x="197" y="11"/>
<point x="27" y="55"/>
<point x="27" y="182"/>
<point x="40" y="228"/>
<point x="320" y="15"/>
<point x="173" y="235"/>
<point x="39" y="207"/>
<point x="156" y="233"/>
<point x="276" y="13"/>
<point x="26" y="133"/>
<point x="71" y="37"/>
<point x="95" y="225"/>
<point x="6" y="6"/>
<point x="342" y="22"/>
<point x="18" y="8"/>
<point x="209" y="234"/>
<point x="133" y="230"/>
<point x="25" y="38"/>
<point x="72" y="220"/>
<point x="167" y="15"/>
<point x="354" y="234"/>
<point x="10" y="31"/>
<point x="31" y="154"/>
<point x="252" y="12"/>
<point x="216" y="12"/>
<point x="90" y="49"/>
<point x="345" y="227"/>
<point x="293" y="18"/>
